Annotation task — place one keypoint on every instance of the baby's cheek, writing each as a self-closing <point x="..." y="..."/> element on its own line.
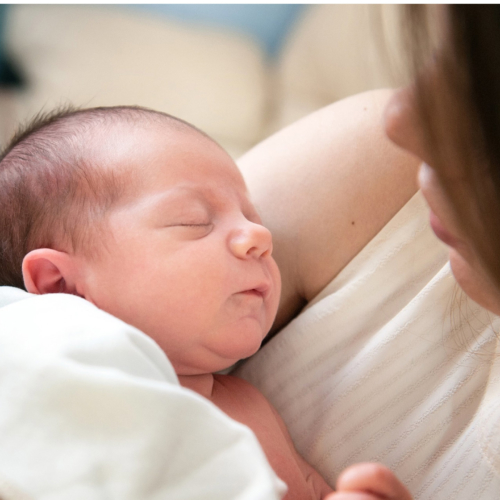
<point x="271" y="310"/>
<point x="276" y="292"/>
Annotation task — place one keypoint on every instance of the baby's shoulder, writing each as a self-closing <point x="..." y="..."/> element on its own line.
<point x="235" y="395"/>
<point x="235" y="386"/>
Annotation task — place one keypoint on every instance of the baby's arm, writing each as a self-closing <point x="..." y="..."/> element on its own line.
<point x="314" y="478"/>
<point x="311" y="475"/>
<point x="369" y="481"/>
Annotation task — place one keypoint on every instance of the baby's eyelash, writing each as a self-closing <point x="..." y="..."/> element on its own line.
<point x="195" y="225"/>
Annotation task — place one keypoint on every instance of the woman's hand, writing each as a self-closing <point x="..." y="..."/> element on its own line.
<point x="369" y="481"/>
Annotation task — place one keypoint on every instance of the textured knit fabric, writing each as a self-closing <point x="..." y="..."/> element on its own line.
<point x="392" y="363"/>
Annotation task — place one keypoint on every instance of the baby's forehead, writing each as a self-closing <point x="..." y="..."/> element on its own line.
<point x="149" y="155"/>
<point x="155" y="127"/>
<point x="126" y="147"/>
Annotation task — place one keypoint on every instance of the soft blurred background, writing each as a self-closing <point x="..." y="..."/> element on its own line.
<point x="239" y="72"/>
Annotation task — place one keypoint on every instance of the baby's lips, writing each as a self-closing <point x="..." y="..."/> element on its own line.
<point x="262" y="289"/>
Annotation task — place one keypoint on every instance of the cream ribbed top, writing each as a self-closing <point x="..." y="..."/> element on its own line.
<point x="392" y="363"/>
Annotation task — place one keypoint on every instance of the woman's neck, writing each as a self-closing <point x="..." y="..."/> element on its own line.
<point x="202" y="384"/>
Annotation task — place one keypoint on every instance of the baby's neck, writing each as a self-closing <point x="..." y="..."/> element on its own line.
<point x="202" y="384"/>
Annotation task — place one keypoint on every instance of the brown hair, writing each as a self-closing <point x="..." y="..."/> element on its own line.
<point x="51" y="189"/>
<point x="458" y="97"/>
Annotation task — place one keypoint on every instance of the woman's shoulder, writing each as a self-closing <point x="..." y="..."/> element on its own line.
<point x="325" y="186"/>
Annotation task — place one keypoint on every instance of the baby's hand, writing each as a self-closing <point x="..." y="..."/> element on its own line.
<point x="369" y="481"/>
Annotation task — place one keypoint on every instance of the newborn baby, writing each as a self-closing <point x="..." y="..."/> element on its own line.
<point x="149" y="219"/>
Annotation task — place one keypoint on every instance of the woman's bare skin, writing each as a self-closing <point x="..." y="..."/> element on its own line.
<point x="325" y="186"/>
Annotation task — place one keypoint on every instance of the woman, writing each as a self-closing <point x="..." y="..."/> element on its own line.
<point x="419" y="381"/>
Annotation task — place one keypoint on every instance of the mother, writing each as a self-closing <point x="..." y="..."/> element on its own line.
<point x="388" y="362"/>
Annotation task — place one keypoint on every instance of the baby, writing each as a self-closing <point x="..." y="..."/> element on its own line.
<point x="149" y="219"/>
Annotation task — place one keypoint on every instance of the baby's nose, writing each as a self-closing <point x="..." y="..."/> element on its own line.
<point x="251" y="240"/>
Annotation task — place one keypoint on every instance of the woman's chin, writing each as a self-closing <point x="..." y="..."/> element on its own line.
<point x="474" y="282"/>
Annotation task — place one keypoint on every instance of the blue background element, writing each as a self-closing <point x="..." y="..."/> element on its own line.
<point x="10" y="74"/>
<point x="268" y="24"/>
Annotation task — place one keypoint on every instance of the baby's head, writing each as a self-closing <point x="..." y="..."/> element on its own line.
<point x="149" y="219"/>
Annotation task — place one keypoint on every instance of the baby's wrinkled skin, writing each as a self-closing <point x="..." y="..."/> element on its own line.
<point x="188" y="262"/>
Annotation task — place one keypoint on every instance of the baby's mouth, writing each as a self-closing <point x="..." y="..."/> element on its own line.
<point x="261" y="291"/>
<point x="253" y="292"/>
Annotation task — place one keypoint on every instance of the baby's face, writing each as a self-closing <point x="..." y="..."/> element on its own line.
<point x="188" y="261"/>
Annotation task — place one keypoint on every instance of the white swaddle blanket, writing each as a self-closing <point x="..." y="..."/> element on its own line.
<point x="91" y="409"/>
<point x="390" y="364"/>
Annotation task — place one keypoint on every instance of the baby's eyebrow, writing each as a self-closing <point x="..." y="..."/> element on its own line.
<point x="163" y="201"/>
<point x="183" y="197"/>
<point x="191" y="194"/>
<point x="179" y="193"/>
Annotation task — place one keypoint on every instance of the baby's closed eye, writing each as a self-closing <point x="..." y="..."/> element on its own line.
<point x="194" y="219"/>
<point x="191" y="224"/>
<point x="191" y="229"/>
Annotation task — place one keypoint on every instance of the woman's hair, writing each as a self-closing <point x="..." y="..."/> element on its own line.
<point x="52" y="189"/>
<point x="457" y="89"/>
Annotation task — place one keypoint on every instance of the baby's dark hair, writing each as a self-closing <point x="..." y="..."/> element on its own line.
<point x="52" y="189"/>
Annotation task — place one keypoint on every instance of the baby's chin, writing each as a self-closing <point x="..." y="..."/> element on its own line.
<point x="222" y="367"/>
<point x="215" y="360"/>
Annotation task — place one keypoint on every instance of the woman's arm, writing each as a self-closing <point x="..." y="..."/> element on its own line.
<point x="325" y="186"/>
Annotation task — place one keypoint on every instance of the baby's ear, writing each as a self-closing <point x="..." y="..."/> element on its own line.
<point x="49" y="271"/>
